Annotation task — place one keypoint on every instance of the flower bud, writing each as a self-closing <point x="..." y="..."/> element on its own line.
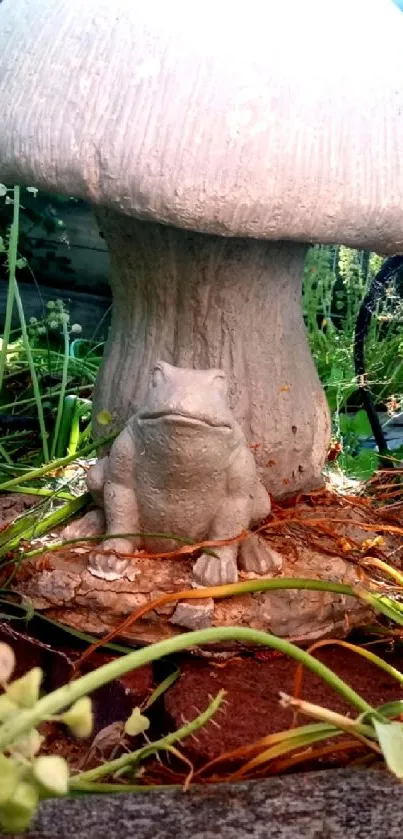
<point x="9" y="777"/>
<point x="17" y="812"/>
<point x="25" y="691"/>
<point x="28" y="744"/>
<point x="7" y="707"/>
<point x="79" y="717"/>
<point x="136" y="723"/>
<point x="52" y="773"/>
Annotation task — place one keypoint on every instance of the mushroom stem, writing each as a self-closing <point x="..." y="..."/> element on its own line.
<point x="204" y="301"/>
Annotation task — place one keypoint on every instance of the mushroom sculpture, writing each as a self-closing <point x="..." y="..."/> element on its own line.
<point x="215" y="141"/>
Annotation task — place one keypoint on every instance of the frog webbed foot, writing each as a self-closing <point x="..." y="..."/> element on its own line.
<point x="216" y="571"/>
<point x="106" y="564"/>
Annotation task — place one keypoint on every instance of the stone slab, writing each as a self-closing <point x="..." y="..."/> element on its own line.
<point x="335" y="804"/>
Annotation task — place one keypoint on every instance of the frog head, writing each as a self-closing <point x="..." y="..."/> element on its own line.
<point x="186" y="397"/>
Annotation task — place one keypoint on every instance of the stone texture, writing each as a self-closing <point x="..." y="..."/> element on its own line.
<point x="257" y="556"/>
<point x="215" y="142"/>
<point x="321" y="537"/>
<point x="227" y="303"/>
<point x="66" y="591"/>
<point x="211" y="133"/>
<point x="320" y="805"/>
<point x="191" y="615"/>
<point x="13" y="505"/>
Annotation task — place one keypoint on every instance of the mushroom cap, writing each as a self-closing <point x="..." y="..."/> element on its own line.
<point x="275" y="119"/>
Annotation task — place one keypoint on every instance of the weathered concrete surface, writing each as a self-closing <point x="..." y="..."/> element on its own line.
<point x="343" y="804"/>
<point x="325" y="538"/>
<point x="181" y="465"/>
<point x="64" y="590"/>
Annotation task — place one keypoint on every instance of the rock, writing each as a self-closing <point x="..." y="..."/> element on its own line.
<point x="64" y="590"/>
<point x="334" y="804"/>
<point x="191" y="615"/>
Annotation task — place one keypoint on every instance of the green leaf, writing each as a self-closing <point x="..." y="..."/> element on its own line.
<point x="362" y="466"/>
<point x="7" y="709"/>
<point x="390" y="738"/>
<point x="336" y="374"/>
<point x="362" y="425"/>
<point x="385" y="605"/>
<point x="79" y="717"/>
<point x="104" y="417"/>
<point x="346" y="423"/>
<point x="26" y="607"/>
<point x="162" y="688"/>
<point x="28" y="744"/>
<point x="34" y="523"/>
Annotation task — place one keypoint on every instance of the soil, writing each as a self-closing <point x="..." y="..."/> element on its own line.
<point x="252" y="683"/>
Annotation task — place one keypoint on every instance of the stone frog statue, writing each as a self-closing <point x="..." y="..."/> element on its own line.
<point x="180" y="466"/>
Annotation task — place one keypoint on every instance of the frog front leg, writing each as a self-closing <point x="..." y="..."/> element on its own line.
<point x="233" y="516"/>
<point x="121" y="511"/>
<point x="211" y="571"/>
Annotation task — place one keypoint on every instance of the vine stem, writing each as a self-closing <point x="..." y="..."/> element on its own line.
<point x="56" y="464"/>
<point x="63" y="697"/>
<point x="51" y="394"/>
<point x="32" y="370"/>
<point x="13" y="294"/>
<point x="162" y="744"/>
<point x="12" y="264"/>
<point x="63" y="386"/>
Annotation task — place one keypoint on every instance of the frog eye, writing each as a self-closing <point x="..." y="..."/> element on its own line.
<point x="157" y="376"/>
<point x="220" y="382"/>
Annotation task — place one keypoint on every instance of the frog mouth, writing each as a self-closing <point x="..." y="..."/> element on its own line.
<point x="180" y="419"/>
